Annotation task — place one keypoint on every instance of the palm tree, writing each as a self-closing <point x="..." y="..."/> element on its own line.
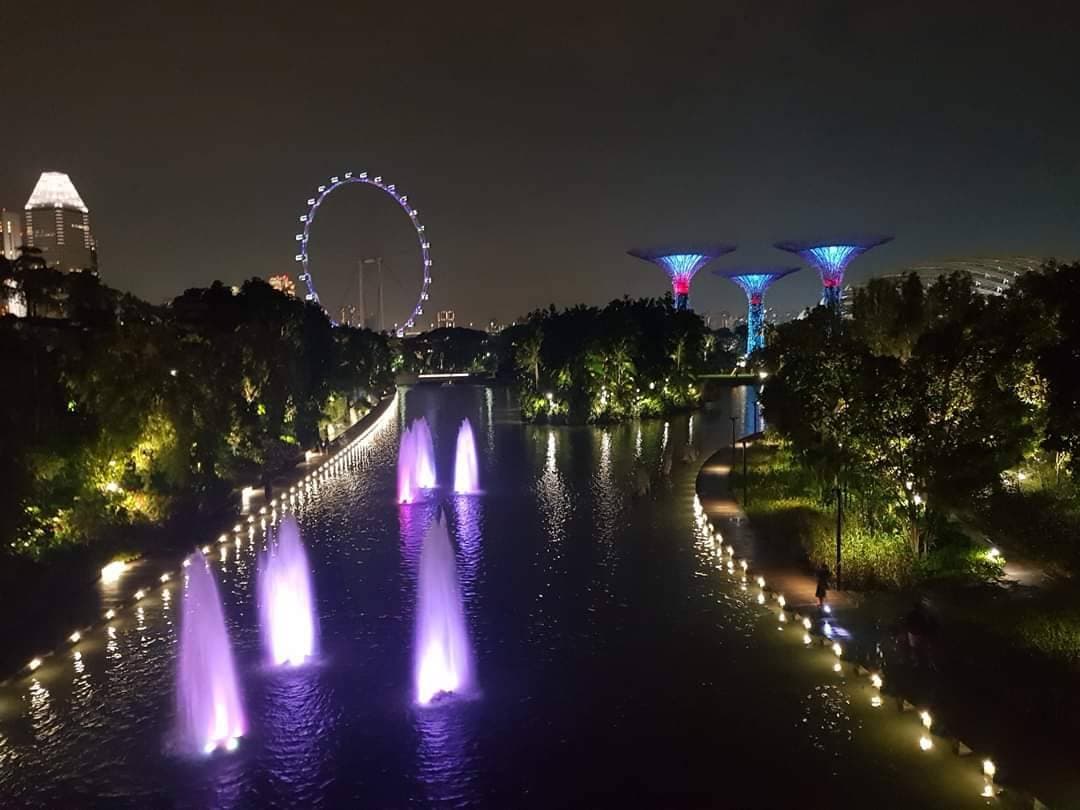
<point x="678" y="352"/>
<point x="528" y="356"/>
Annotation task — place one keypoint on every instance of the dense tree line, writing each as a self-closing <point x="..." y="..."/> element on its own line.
<point x="117" y="411"/>
<point x="630" y="358"/>
<point x="927" y="400"/>
<point x="449" y="349"/>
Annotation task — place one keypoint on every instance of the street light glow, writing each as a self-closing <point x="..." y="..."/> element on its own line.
<point x="111" y="572"/>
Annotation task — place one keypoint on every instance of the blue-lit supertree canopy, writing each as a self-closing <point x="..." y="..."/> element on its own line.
<point x="681" y="263"/>
<point x="831" y="258"/>
<point x="754" y="282"/>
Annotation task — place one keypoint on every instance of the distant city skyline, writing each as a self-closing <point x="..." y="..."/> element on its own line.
<point x="548" y="161"/>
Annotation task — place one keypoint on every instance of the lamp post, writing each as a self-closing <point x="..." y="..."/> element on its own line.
<point x="745" y="477"/>
<point x="839" y="533"/>
<point x="730" y="478"/>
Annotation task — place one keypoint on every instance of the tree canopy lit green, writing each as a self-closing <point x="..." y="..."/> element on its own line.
<point x="925" y="398"/>
<point x="117" y="411"/>
<point x="631" y="358"/>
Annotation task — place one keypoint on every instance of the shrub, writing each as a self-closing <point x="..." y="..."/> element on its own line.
<point x="871" y="559"/>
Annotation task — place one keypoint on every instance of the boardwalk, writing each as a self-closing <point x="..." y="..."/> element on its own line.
<point x="785" y="569"/>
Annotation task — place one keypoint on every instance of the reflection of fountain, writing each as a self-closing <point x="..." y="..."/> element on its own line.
<point x="416" y="462"/>
<point x="209" y="709"/>
<point x="447" y="768"/>
<point x="468" y="529"/>
<point x="299" y="719"/>
<point x="466" y="474"/>
<point x="442" y="658"/>
<point x="286" y="599"/>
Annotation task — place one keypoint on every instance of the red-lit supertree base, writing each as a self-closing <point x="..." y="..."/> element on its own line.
<point x="681" y="263"/>
<point x="831" y="258"/>
<point x="754" y="282"/>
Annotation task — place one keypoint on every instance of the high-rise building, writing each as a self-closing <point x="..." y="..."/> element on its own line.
<point x="444" y="319"/>
<point x="11" y="234"/>
<point x="283" y="283"/>
<point x="58" y="224"/>
<point x="371" y="294"/>
<point x="719" y="320"/>
<point x="12" y="299"/>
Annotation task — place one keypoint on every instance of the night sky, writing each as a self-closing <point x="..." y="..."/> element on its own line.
<point x="541" y="141"/>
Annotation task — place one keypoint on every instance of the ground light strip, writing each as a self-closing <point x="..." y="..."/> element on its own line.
<point x="287" y="501"/>
<point x="766" y="596"/>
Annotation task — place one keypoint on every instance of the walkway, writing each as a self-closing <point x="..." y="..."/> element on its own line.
<point x="35" y="623"/>
<point x="786" y="570"/>
<point x="862" y="622"/>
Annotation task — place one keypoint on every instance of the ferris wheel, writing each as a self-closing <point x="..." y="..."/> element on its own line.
<point x="304" y="238"/>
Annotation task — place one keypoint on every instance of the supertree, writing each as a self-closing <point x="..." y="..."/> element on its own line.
<point x="754" y="282"/>
<point x="681" y="263"/>
<point x="831" y="258"/>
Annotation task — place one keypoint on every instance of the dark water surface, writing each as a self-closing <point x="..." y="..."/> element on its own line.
<point x="617" y="665"/>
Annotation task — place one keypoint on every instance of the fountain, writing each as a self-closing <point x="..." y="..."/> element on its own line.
<point x="425" y="454"/>
<point x="442" y="657"/>
<point x="287" y="599"/>
<point x="405" y="486"/>
<point x="416" y="462"/>
<point x="466" y="474"/>
<point x="208" y="704"/>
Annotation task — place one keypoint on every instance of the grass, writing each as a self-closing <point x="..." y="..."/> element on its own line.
<point x="1044" y="622"/>
<point x="1040" y="524"/>
<point x="786" y="507"/>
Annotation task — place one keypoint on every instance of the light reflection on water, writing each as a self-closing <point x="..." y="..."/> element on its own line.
<point x="601" y="621"/>
<point x="445" y="768"/>
<point x="467" y="534"/>
<point x="302" y="715"/>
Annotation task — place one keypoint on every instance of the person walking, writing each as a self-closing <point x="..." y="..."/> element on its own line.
<point x="822" y="591"/>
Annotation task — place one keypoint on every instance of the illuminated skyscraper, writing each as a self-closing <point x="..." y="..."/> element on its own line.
<point x="831" y="258"/>
<point x="58" y="223"/>
<point x="681" y="263"/>
<point x="11" y="234"/>
<point x="754" y="282"/>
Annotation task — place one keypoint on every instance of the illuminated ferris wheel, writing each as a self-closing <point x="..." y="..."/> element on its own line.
<point x="304" y="238"/>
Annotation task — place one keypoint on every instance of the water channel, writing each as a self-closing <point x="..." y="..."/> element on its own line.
<point x="615" y="663"/>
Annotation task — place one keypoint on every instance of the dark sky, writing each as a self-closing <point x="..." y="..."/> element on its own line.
<point x="541" y="141"/>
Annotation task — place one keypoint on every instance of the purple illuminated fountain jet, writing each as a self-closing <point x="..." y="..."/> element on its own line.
<point x="831" y="258"/>
<point x="290" y="627"/>
<point x="416" y="462"/>
<point x="425" y="454"/>
<point x="442" y="656"/>
<point x="209" y="710"/>
<point x="754" y="282"/>
<point x="681" y="263"/>
<point x="466" y="468"/>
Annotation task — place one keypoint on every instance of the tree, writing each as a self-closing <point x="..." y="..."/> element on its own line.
<point x="528" y="357"/>
<point x="916" y="423"/>
<point x="1044" y="315"/>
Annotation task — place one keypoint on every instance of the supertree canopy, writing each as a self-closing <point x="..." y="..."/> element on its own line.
<point x="681" y="263"/>
<point x="754" y="282"/>
<point x="831" y="258"/>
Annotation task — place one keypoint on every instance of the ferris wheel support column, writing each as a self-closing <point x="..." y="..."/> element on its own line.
<point x="304" y="238"/>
